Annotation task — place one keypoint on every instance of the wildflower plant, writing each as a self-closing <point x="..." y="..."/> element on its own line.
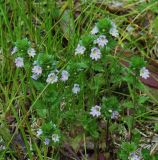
<point x="128" y="151"/>
<point x="23" y="53"/>
<point x="79" y="92"/>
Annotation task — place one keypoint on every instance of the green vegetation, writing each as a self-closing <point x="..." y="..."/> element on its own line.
<point x="77" y="80"/>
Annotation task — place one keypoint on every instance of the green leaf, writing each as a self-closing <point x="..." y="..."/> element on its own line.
<point x="129" y="147"/>
<point x="97" y="82"/>
<point x="155" y="25"/>
<point x="146" y="154"/>
<point x="136" y="136"/>
<point x="108" y="105"/>
<point x="67" y="24"/>
<point x="156" y="127"/>
<point x="104" y="25"/>
<point x="83" y="64"/>
<point x="47" y="127"/>
<point x="42" y="112"/>
<point x="75" y="142"/>
<point x="128" y="104"/>
<point x="142" y="99"/>
<point x="129" y="120"/>
<point x="129" y="78"/>
<point x="126" y="149"/>
<point x="98" y="67"/>
<point x="22" y="45"/>
<point x="44" y="59"/>
<point x="137" y="62"/>
<point x="90" y="125"/>
<point x="87" y="40"/>
<point x="38" y="85"/>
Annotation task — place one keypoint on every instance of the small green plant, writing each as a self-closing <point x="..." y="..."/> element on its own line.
<point x="79" y="92"/>
<point x="73" y="91"/>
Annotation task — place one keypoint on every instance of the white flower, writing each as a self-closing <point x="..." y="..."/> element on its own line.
<point x="54" y="126"/>
<point x="14" y="50"/>
<point x="37" y="70"/>
<point x="134" y="156"/>
<point x="116" y="4"/>
<point x="95" y="30"/>
<point x="113" y="31"/>
<point x="80" y="49"/>
<point x="115" y="115"/>
<point x="129" y="29"/>
<point x="144" y="72"/>
<point x="64" y="75"/>
<point x="52" y="78"/>
<point x="95" y="53"/>
<point x="35" y="63"/>
<point x="76" y="88"/>
<point x="46" y="141"/>
<point x="101" y="41"/>
<point x="39" y="132"/>
<point x="35" y="76"/>
<point x="19" y="62"/>
<point x="2" y="147"/>
<point x="31" y="52"/>
<point x="55" y="138"/>
<point x="95" y="111"/>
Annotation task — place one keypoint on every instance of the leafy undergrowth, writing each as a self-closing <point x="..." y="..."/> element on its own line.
<point x="77" y="80"/>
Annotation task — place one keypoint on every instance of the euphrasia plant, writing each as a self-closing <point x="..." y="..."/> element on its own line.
<point x="80" y="93"/>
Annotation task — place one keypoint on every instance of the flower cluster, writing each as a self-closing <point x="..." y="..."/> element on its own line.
<point x="100" y="41"/>
<point x="95" y="111"/>
<point x="55" y="138"/>
<point x="22" y="52"/>
<point x="52" y="76"/>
